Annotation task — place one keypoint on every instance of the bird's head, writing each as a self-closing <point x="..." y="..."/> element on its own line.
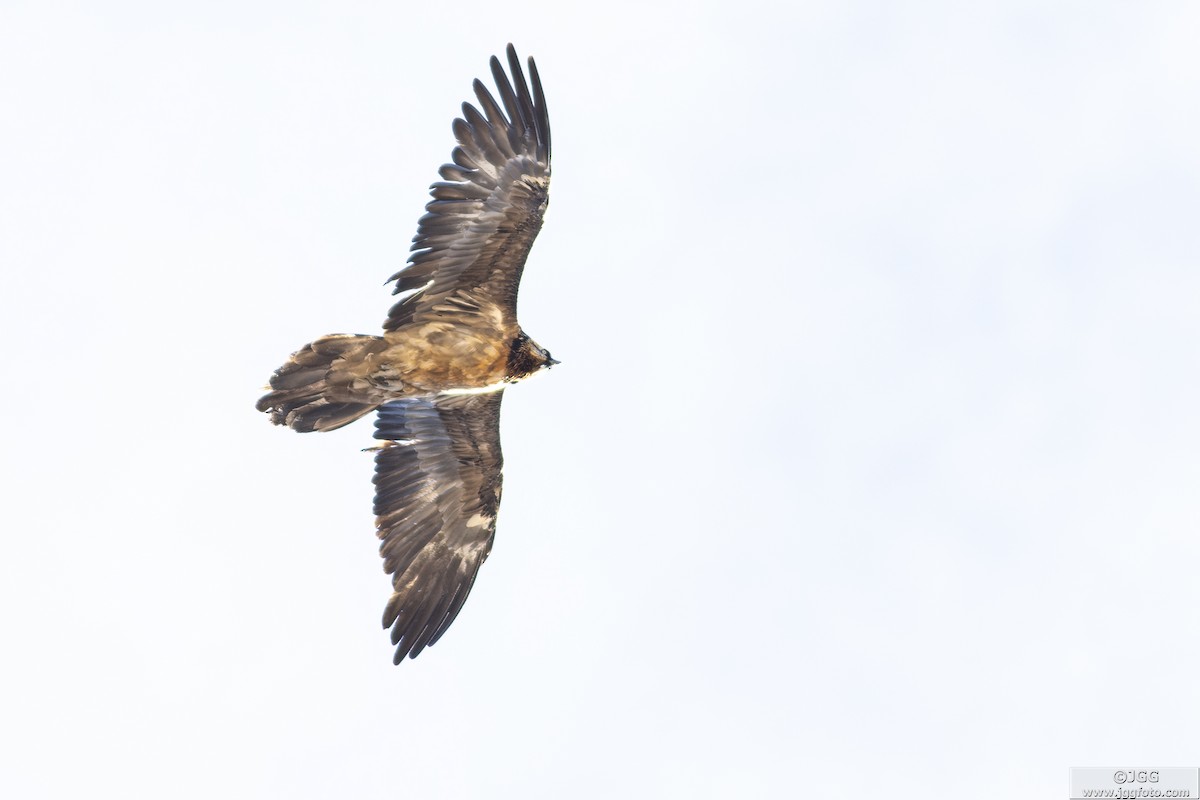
<point x="526" y="357"/>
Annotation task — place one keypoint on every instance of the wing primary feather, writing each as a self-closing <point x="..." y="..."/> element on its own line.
<point x="484" y="137"/>
<point x="521" y="123"/>
<point x="542" y="117"/>
<point x="460" y="596"/>
<point x="498" y="126"/>
<point x="523" y="103"/>
<point x="411" y="634"/>
<point x="508" y="134"/>
<point x="432" y="620"/>
<point x="491" y="109"/>
<point x="467" y="141"/>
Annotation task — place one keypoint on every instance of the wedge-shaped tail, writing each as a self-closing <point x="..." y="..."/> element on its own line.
<point x="306" y="394"/>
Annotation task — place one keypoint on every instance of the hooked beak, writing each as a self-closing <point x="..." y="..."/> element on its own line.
<point x="550" y="362"/>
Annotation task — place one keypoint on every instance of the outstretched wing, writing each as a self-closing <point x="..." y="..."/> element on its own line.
<point x="487" y="211"/>
<point x="437" y="489"/>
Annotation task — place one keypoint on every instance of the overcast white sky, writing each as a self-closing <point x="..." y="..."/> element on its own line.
<point x="872" y="463"/>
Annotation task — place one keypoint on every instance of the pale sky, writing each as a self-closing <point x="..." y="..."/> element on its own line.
<point x="871" y="465"/>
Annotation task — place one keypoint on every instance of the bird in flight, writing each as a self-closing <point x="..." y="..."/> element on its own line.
<point x="436" y="376"/>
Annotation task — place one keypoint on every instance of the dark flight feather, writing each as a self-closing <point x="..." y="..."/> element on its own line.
<point x="487" y="211"/>
<point x="437" y="491"/>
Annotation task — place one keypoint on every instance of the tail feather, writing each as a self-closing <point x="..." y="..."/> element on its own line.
<point x="305" y="415"/>
<point x="301" y="394"/>
<point x="290" y="376"/>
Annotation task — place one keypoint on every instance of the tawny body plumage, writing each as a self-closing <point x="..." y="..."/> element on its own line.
<point x="436" y="374"/>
